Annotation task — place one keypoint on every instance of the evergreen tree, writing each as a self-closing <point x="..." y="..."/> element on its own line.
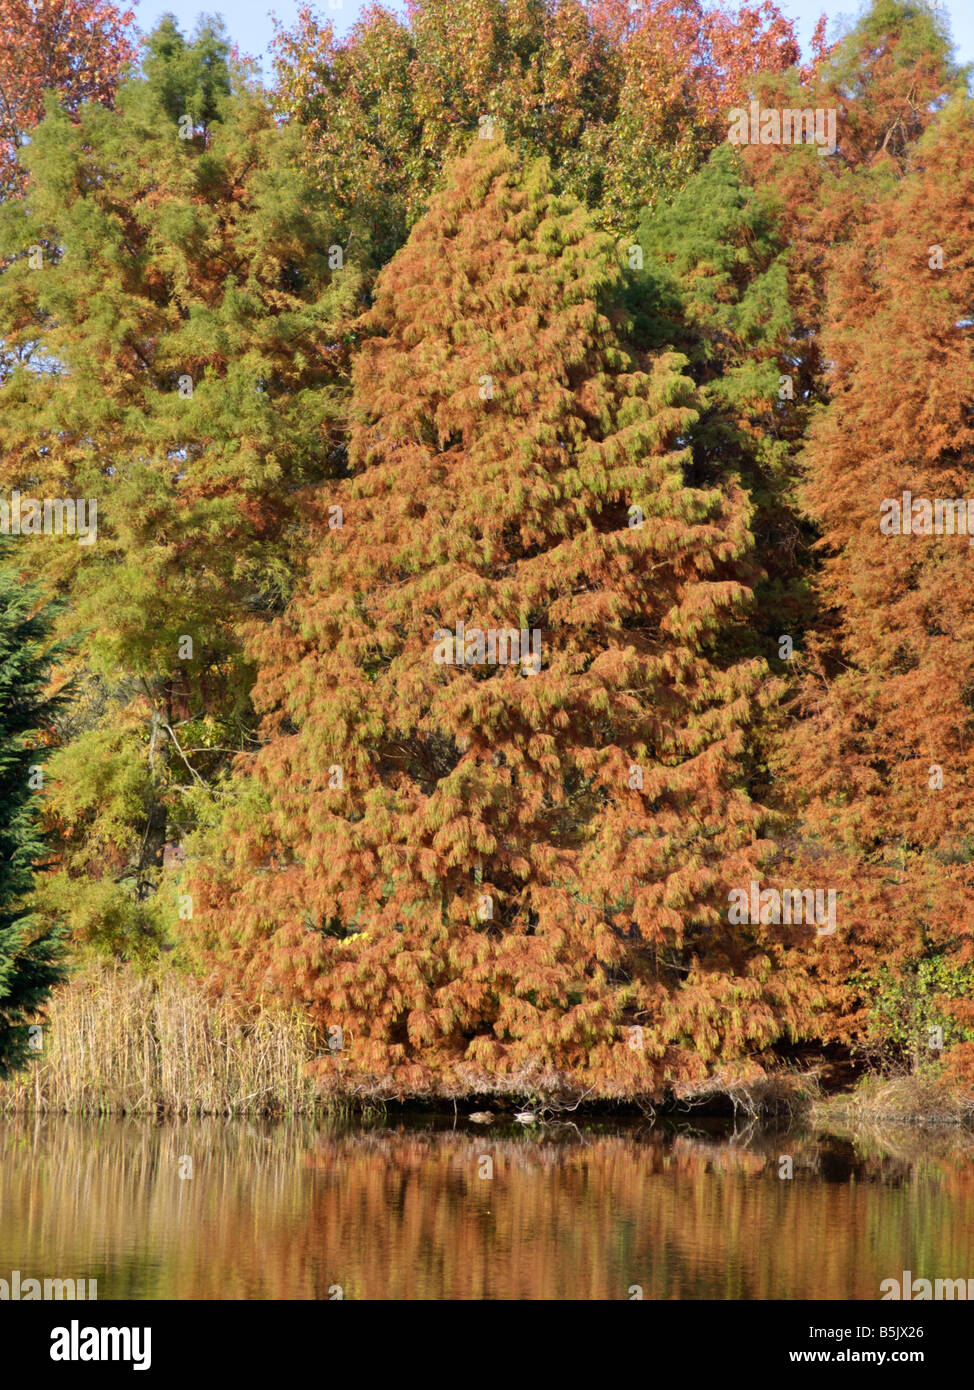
<point x="715" y="286"/>
<point x="494" y="872"/>
<point x="188" y="78"/>
<point x="31" y="955"/>
<point x="175" y="321"/>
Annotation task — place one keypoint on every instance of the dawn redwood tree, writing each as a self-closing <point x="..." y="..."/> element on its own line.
<point x="497" y="873"/>
<point x="885" y="80"/>
<point x="77" y="48"/>
<point x="31" y="952"/>
<point x="883" y="751"/>
<point x="174" y="314"/>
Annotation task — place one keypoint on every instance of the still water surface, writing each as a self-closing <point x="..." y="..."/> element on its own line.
<point x="400" y="1209"/>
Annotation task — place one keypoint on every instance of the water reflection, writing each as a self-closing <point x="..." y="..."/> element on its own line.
<point x="400" y="1210"/>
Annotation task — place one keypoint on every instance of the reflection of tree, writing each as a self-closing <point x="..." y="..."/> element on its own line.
<point x="402" y="1213"/>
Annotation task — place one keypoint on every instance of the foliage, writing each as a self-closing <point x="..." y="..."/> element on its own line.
<point x="625" y="100"/>
<point x="883" y="733"/>
<point x="31" y="956"/>
<point x="530" y="863"/>
<point x="77" y="48"/>
<point x="479" y="318"/>
<point x="177" y="355"/>
<point x="906" y="1022"/>
<point x="715" y="285"/>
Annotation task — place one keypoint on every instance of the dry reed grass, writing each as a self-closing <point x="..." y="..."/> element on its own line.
<point x="909" y="1100"/>
<point x="119" y="1042"/>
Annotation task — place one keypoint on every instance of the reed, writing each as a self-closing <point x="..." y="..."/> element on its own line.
<point x="116" y="1041"/>
<point x="916" y="1099"/>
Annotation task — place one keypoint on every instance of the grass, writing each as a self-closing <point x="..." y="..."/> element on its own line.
<point x="912" y="1100"/>
<point x="116" y="1041"/>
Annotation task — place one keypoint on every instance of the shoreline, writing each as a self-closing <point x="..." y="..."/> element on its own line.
<point x="119" y="1042"/>
<point x="909" y="1103"/>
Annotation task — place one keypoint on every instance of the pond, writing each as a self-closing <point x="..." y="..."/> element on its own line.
<point x="434" y="1207"/>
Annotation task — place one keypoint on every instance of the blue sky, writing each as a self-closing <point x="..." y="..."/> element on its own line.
<point x="250" y="25"/>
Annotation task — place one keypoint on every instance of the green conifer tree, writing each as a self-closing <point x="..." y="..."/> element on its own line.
<point x="174" y="316"/>
<point x="714" y="286"/>
<point x="31" y="953"/>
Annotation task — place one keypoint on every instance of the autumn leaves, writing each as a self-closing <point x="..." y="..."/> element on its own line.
<point x="480" y="605"/>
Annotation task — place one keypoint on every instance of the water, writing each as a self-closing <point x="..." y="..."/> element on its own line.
<point x="399" y="1210"/>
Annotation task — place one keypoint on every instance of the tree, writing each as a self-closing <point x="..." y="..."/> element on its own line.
<point x="884" y="80"/>
<point x="188" y="78"/>
<point x="625" y="100"/>
<point x="682" y="64"/>
<point x="882" y="745"/>
<point x="492" y="868"/>
<point x="77" y="48"/>
<point x="31" y="955"/>
<point x="175" y="315"/>
<point x="715" y="286"/>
